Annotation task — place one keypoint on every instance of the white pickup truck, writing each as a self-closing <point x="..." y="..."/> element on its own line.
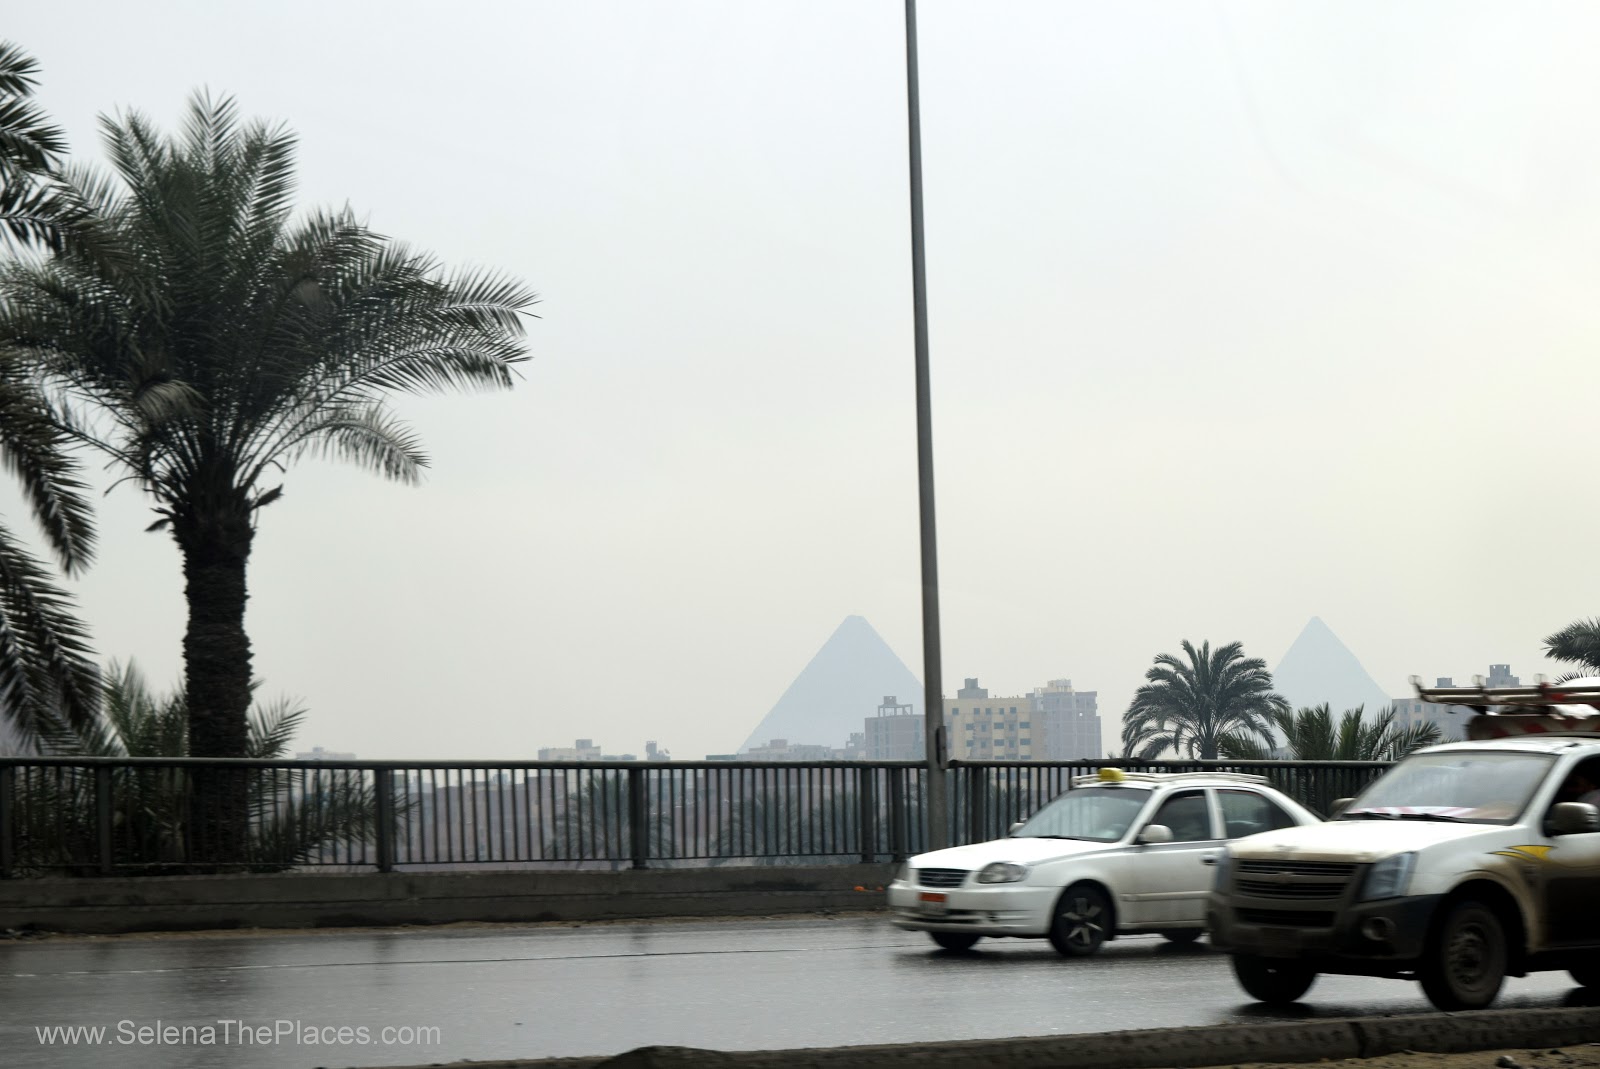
<point x="1461" y="865"/>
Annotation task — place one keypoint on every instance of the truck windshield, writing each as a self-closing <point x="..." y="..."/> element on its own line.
<point x="1472" y="788"/>
<point x="1099" y="814"/>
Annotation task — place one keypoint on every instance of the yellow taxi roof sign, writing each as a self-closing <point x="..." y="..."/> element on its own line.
<point x="1111" y="775"/>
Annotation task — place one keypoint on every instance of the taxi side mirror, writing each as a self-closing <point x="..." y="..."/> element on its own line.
<point x="1016" y="826"/>
<point x="1572" y="818"/>
<point x="1160" y="833"/>
<point x="1338" y="806"/>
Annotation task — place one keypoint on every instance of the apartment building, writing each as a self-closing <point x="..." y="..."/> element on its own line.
<point x="1054" y="722"/>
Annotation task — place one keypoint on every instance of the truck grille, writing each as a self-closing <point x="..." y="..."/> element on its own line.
<point x="1299" y="880"/>
<point x="1288" y="918"/>
<point x="941" y="877"/>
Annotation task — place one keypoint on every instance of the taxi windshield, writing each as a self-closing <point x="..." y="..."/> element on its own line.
<point x="1460" y="787"/>
<point x="1098" y="814"/>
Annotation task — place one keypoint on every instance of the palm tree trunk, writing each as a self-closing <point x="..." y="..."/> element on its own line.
<point x="216" y="654"/>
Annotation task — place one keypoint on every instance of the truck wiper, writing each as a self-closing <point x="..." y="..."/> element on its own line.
<point x="1430" y="816"/>
<point x="1368" y="814"/>
<point x="1049" y="836"/>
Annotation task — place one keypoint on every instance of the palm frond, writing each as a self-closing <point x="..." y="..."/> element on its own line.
<point x="1577" y="643"/>
<point x="44" y="654"/>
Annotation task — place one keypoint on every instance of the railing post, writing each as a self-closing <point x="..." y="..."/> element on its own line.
<point x="102" y="816"/>
<point x="8" y="779"/>
<point x="976" y="780"/>
<point x="896" y="778"/>
<point x="638" y="815"/>
<point x="383" y="787"/>
<point x="867" y="816"/>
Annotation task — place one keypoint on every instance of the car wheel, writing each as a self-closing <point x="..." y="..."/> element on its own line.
<point x="953" y="940"/>
<point x="1082" y="921"/>
<point x="1465" y="963"/>
<point x="1182" y="935"/>
<point x="1274" y="981"/>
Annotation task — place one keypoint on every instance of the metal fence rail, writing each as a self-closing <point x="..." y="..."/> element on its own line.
<point x="136" y="816"/>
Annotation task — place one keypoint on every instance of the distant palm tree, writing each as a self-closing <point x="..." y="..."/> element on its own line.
<point x="220" y="341"/>
<point x="1577" y="643"/>
<point x="1189" y="707"/>
<point x="294" y="816"/>
<point x="1312" y="735"/>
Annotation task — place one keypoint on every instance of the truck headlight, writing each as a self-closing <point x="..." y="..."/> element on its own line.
<point x="1003" y="872"/>
<point x="1389" y="878"/>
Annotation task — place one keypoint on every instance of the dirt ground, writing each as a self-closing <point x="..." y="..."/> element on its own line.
<point x="1583" y="1056"/>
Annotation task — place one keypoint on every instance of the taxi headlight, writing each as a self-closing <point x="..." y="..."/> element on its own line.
<point x="1389" y="878"/>
<point x="1003" y="872"/>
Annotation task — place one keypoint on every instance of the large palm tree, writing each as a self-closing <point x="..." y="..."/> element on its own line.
<point x="1189" y="704"/>
<point x="221" y="339"/>
<point x="45" y="670"/>
<point x="1311" y="734"/>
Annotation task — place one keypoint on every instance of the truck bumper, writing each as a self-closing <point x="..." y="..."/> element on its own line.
<point x="1381" y="937"/>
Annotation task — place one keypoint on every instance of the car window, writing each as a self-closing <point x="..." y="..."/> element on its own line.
<point x="1246" y="812"/>
<point x="1187" y="815"/>
<point x="1099" y="814"/>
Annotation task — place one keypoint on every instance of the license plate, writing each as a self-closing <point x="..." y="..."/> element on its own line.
<point x="1280" y="942"/>
<point x="932" y="902"/>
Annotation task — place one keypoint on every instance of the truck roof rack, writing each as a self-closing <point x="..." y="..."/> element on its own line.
<point x="1503" y="712"/>
<point x="1513" y="700"/>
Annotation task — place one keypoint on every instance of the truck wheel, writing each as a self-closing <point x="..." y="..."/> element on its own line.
<point x="1082" y="921"/>
<point x="953" y="940"/>
<point x="1275" y="981"/>
<point x="1465" y="963"/>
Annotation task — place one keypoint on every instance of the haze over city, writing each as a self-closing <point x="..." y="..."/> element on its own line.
<point x="1241" y="313"/>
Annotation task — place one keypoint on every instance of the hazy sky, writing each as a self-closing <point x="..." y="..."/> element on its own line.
<point x="1240" y="313"/>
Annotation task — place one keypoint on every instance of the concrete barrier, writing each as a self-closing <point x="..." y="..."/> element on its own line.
<point x="1154" y="1048"/>
<point x="321" y="900"/>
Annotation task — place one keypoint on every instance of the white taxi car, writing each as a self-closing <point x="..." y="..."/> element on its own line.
<point x="1119" y="852"/>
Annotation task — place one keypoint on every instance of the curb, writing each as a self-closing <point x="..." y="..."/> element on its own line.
<point x="1153" y="1048"/>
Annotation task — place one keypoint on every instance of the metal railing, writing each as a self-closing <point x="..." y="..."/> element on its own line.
<point x="131" y="816"/>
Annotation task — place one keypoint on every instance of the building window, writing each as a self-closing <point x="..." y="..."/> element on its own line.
<point x="1023" y="724"/>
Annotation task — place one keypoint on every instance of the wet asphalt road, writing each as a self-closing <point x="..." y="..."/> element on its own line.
<point x="540" y="991"/>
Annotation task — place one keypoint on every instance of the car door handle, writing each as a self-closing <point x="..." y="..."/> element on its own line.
<point x="1209" y="859"/>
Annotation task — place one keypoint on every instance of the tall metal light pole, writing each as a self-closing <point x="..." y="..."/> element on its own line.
<point x="937" y="797"/>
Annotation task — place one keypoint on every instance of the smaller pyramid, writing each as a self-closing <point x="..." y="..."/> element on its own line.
<point x="1320" y="669"/>
<point x="838" y="689"/>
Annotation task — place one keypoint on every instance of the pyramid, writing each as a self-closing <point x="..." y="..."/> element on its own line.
<point x="1319" y="668"/>
<point x="841" y="686"/>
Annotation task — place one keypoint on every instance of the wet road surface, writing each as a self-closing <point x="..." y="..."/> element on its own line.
<point x="429" y="995"/>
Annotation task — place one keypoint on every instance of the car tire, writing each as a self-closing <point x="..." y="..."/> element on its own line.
<point x="1465" y="962"/>
<point x="956" y="941"/>
<point x="1182" y="936"/>
<point x="1082" y="921"/>
<point x="1275" y="981"/>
